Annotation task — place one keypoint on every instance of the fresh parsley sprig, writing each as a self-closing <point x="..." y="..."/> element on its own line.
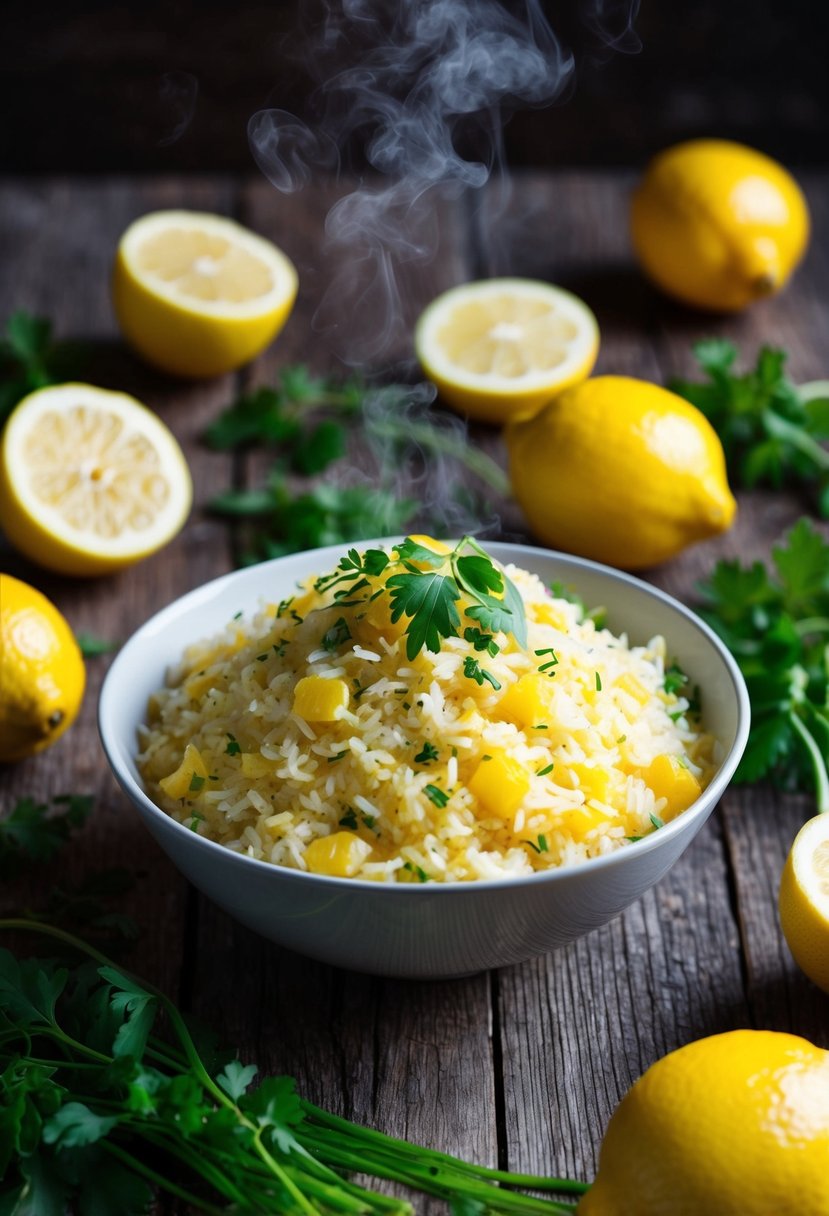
<point x="307" y="421"/>
<point x="775" y="621"/>
<point x="771" y="431"/>
<point x="98" y="1110"/>
<point x="30" y="359"/>
<point x="424" y="589"/>
<point x="32" y="832"/>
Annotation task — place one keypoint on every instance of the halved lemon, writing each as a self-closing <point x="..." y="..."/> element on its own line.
<point x="197" y="294"/>
<point x="90" y="480"/>
<point x="501" y="348"/>
<point x="804" y="900"/>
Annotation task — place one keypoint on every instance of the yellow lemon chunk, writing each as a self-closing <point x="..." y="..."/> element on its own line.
<point x="199" y="295"/>
<point x="42" y="673"/>
<point x="718" y="225"/>
<point x="341" y="854"/>
<point x="669" y="778"/>
<point x="502" y="347"/>
<point x="187" y="780"/>
<point x="621" y="471"/>
<point x="317" y="699"/>
<point x="804" y="900"/>
<point x="500" y="785"/>
<point x="90" y="481"/>
<point x="734" y="1125"/>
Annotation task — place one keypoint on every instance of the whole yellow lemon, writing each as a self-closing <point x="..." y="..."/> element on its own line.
<point x="734" y="1125"/>
<point x="718" y="225"/>
<point x="42" y="673"/>
<point x="620" y="471"/>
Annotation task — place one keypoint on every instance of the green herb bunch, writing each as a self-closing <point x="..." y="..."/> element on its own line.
<point x="307" y="422"/>
<point x="30" y="359"/>
<point x="428" y="598"/>
<point x="776" y="624"/>
<point x="106" y="1094"/>
<point x="771" y="430"/>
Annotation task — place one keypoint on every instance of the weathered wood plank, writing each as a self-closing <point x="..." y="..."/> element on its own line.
<point x="57" y="240"/>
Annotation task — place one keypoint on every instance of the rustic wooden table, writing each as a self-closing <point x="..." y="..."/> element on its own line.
<point x="520" y="1067"/>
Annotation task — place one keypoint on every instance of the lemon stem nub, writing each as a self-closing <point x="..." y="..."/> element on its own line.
<point x="765" y="284"/>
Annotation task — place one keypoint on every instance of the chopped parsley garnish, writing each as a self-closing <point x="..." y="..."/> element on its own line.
<point x="337" y="635"/>
<point x="598" y="682"/>
<point x="280" y="648"/>
<point x="675" y="679"/>
<point x="483" y="758"/>
<point x="421" y="874"/>
<point x="233" y="748"/>
<point x="656" y="821"/>
<point x="238" y="615"/>
<point x="349" y="820"/>
<point x="473" y="671"/>
<point x="621" y="739"/>
<point x="541" y="726"/>
<point x="195" y="820"/>
<point x="196" y="783"/>
<point x="338" y="756"/>
<point x="435" y="795"/>
<point x="481" y="641"/>
<point x="539" y="845"/>
<point x="427" y="754"/>
<point x="542" y="772"/>
<point x="370" y="821"/>
<point x="548" y="665"/>
<point x="260" y="658"/>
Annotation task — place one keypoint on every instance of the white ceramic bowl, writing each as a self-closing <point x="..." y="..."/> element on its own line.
<point x="434" y="930"/>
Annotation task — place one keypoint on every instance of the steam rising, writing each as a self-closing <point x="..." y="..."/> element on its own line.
<point x="424" y="88"/>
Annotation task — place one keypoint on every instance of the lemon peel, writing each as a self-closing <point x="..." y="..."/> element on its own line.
<point x="718" y="225"/>
<point x="621" y="471"/>
<point x="42" y="673"/>
<point x="736" y="1124"/>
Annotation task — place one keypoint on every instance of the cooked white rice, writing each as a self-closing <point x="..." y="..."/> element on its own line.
<point x="424" y="775"/>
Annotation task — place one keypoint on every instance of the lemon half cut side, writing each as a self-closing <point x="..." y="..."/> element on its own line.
<point x="90" y="480"/>
<point x="500" y="348"/>
<point x="804" y="900"/>
<point x="197" y="294"/>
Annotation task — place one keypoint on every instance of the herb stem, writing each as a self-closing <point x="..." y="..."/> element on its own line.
<point x="780" y="428"/>
<point x="444" y="443"/>
<point x="818" y="763"/>
<point x="159" y="1180"/>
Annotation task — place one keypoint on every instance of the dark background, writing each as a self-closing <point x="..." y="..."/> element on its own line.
<point x="108" y="87"/>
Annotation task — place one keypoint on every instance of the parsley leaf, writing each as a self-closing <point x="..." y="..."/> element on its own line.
<point x="33" y="832"/>
<point x="427" y="753"/>
<point x="429" y="599"/>
<point x="771" y="432"/>
<point x="775" y="621"/>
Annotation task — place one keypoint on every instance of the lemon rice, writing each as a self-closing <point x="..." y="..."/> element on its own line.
<point x="304" y="736"/>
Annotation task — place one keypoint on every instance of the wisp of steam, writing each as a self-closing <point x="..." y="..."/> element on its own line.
<point x="424" y="87"/>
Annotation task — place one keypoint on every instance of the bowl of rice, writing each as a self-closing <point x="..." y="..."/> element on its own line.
<point x="422" y="758"/>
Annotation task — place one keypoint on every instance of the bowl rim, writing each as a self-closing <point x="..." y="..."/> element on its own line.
<point x="696" y="813"/>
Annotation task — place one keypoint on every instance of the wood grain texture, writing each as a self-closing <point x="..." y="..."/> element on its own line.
<point x="522" y="1067"/>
